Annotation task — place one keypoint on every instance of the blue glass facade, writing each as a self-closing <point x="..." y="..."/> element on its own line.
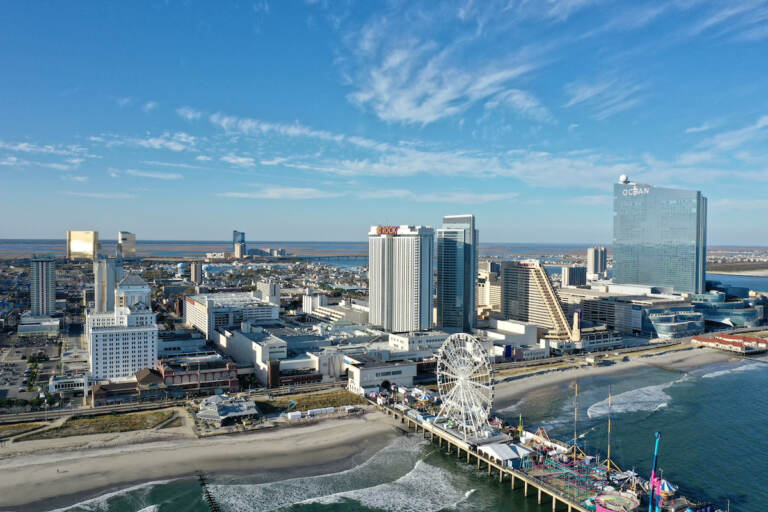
<point x="456" y="273"/>
<point x="659" y="236"/>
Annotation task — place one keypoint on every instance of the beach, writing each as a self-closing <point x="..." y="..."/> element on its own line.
<point x="54" y="473"/>
<point x="511" y="389"/>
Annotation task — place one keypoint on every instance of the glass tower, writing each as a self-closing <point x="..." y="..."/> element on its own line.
<point x="659" y="236"/>
<point x="456" y="273"/>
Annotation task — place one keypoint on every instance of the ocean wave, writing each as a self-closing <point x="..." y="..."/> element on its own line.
<point x="101" y="502"/>
<point x="648" y="398"/>
<point x="737" y="369"/>
<point x="401" y="454"/>
<point x="426" y="488"/>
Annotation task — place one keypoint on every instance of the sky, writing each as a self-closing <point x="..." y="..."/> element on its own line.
<point x="312" y="120"/>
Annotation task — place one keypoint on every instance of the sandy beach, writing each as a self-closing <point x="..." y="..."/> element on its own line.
<point x="754" y="273"/>
<point x="511" y="389"/>
<point x="54" y="473"/>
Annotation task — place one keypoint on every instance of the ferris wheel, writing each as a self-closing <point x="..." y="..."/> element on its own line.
<point x="465" y="384"/>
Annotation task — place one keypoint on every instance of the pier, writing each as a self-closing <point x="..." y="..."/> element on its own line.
<point x="516" y="478"/>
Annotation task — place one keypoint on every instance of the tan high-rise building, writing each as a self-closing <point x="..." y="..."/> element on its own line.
<point x="82" y="245"/>
<point x="527" y="295"/>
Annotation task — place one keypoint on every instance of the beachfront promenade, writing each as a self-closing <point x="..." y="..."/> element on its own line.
<point x="452" y="443"/>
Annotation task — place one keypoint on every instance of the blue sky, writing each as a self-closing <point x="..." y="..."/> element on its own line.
<point x="314" y="120"/>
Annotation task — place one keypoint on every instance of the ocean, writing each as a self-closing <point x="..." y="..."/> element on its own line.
<point x="713" y="446"/>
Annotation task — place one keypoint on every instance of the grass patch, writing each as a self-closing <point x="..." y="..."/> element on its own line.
<point x="105" y="424"/>
<point x="19" y="428"/>
<point x="307" y="401"/>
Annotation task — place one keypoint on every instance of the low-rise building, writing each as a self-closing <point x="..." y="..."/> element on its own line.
<point x="368" y="374"/>
<point x="199" y="375"/>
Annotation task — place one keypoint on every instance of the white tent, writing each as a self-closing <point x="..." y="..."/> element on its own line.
<point x="504" y="452"/>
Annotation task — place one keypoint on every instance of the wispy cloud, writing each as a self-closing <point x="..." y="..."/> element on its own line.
<point x="99" y="195"/>
<point x="149" y="106"/>
<point x="171" y="164"/>
<point x="50" y="149"/>
<point x="239" y="161"/>
<point x="522" y="102"/>
<point x="189" y="113"/>
<point x="178" y="141"/>
<point x="703" y="127"/>
<point x="605" y="97"/>
<point x="284" y="193"/>
<point x="203" y="158"/>
<point x="123" y="102"/>
<point x="78" y="179"/>
<point x="154" y="175"/>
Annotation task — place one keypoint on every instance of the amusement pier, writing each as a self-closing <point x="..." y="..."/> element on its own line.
<point x="559" y="473"/>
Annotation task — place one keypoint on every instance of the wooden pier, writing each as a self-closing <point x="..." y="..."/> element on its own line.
<point x="515" y="477"/>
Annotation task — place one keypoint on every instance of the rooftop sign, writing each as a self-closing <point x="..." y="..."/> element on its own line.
<point x="387" y="230"/>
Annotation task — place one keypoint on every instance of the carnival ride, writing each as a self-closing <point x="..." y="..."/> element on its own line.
<point x="465" y="384"/>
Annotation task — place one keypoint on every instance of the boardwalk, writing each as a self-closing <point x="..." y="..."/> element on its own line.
<point x="529" y="483"/>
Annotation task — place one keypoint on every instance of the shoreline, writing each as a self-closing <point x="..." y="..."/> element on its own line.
<point x="34" y="478"/>
<point x="510" y="389"/>
<point x="748" y="273"/>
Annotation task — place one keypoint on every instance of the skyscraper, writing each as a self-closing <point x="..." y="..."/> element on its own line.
<point x="597" y="262"/>
<point x="43" y="285"/>
<point x="238" y="237"/>
<point x="126" y="245"/>
<point x="456" y="272"/>
<point x="196" y="272"/>
<point x="82" y="245"/>
<point x="659" y="236"/>
<point x="106" y="274"/>
<point x="400" y="276"/>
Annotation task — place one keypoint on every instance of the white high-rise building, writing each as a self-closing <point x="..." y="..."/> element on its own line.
<point x="456" y="273"/>
<point x="126" y="245"/>
<point x="43" y="285"/>
<point x="208" y="311"/>
<point x="400" y="276"/>
<point x="123" y="341"/>
<point x="107" y="272"/>
<point x="597" y="262"/>
<point x="269" y="292"/>
<point x="311" y="302"/>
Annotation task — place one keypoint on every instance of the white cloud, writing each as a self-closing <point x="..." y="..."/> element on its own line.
<point x="178" y="141"/>
<point x="202" y="158"/>
<point x="274" y="161"/>
<point x="12" y="161"/>
<point x="99" y="195"/>
<point x="50" y="149"/>
<point x="171" y="164"/>
<point x="605" y="97"/>
<point x="703" y="127"/>
<point x="114" y="173"/>
<point x="154" y="175"/>
<point x="240" y="161"/>
<point x="732" y="139"/>
<point x="149" y="106"/>
<point x="189" y="113"/>
<point x="256" y="127"/>
<point x="285" y="193"/>
<point x="123" y="102"/>
<point x="78" y="179"/>
<point x="522" y="102"/>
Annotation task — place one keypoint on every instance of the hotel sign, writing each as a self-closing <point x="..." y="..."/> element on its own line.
<point x="387" y="230"/>
<point x="636" y="191"/>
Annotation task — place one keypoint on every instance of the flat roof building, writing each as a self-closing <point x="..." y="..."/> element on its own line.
<point x="457" y="273"/>
<point x="208" y="311"/>
<point x="126" y="245"/>
<point x="42" y="291"/>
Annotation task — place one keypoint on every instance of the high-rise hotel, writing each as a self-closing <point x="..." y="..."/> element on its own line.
<point x="42" y="293"/>
<point x="400" y="276"/>
<point x="456" y="273"/>
<point x="659" y="236"/>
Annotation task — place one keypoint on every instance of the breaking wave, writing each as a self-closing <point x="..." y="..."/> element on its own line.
<point x="736" y="369"/>
<point x="648" y="398"/>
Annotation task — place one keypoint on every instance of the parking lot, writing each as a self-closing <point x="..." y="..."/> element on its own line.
<point x="19" y="377"/>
